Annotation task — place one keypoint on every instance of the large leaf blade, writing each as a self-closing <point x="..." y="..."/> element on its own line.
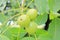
<point x="54" y="28"/>
<point x="41" y="5"/>
<point x="54" y="5"/>
<point x="42" y="19"/>
<point x="2" y="37"/>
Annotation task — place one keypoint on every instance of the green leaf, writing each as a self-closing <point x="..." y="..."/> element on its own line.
<point x="41" y="5"/>
<point x="41" y="19"/>
<point x="19" y="0"/>
<point x="2" y="4"/>
<point x="54" y="28"/>
<point x="43" y="35"/>
<point x="22" y="33"/>
<point x="31" y="2"/>
<point x="2" y="37"/>
<point x="57" y="5"/>
<point x="54" y="5"/>
<point x="32" y="5"/>
<point x="28" y="38"/>
<point x="12" y="33"/>
<point x="51" y="4"/>
<point x="15" y="3"/>
<point x="42" y="32"/>
<point x="3" y="17"/>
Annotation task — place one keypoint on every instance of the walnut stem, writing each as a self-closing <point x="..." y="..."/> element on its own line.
<point x="23" y="1"/>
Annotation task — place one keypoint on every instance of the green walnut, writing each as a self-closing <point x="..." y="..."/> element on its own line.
<point x="23" y="20"/>
<point x="32" y="28"/>
<point x="32" y="13"/>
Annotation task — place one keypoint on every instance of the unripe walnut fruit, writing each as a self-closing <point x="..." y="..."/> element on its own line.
<point x="32" y="13"/>
<point x="32" y="28"/>
<point x="23" y="20"/>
